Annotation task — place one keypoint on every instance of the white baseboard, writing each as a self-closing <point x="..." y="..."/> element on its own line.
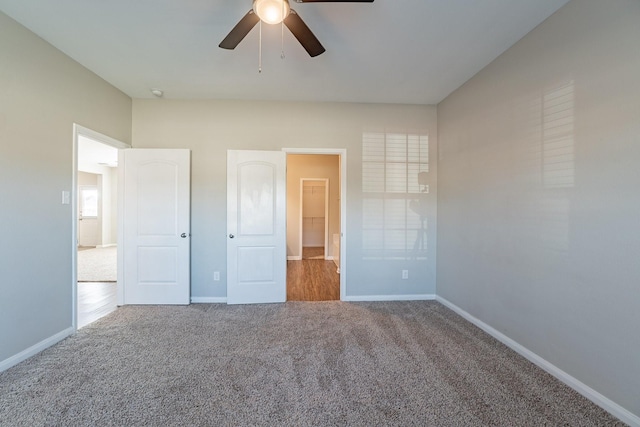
<point x="328" y="258"/>
<point x="411" y="297"/>
<point x="416" y="297"/>
<point x="108" y="245"/>
<point x="597" y="398"/>
<point x="294" y="258"/>
<point x="35" y="349"/>
<point x="208" y="300"/>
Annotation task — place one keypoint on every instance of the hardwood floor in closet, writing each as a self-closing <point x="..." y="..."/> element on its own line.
<point x="95" y="299"/>
<point x="312" y="280"/>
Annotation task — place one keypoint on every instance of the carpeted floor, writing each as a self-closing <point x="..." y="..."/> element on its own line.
<point x="293" y="364"/>
<point x="98" y="264"/>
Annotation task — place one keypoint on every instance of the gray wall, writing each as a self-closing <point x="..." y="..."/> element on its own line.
<point x="209" y="128"/>
<point x="42" y="93"/>
<point x="539" y="204"/>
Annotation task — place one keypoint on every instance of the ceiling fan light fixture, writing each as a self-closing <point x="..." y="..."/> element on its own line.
<point x="271" y="11"/>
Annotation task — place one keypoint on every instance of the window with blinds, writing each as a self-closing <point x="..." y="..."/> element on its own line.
<point x="395" y="188"/>
<point x="557" y="137"/>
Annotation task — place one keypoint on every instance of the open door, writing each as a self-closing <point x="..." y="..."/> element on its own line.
<point x="256" y="227"/>
<point x="155" y="226"/>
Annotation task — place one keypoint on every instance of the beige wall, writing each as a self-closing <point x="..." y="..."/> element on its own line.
<point x="311" y="166"/>
<point x="209" y="128"/>
<point x="87" y="178"/>
<point x="42" y="94"/>
<point x="538" y="204"/>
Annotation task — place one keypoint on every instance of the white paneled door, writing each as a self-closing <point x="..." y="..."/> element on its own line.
<point x="256" y="227"/>
<point x="156" y="227"/>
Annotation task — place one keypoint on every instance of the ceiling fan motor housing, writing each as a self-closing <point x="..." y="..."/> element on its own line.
<point x="271" y="11"/>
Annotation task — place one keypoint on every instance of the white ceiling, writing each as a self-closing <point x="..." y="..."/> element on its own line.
<point x="389" y="51"/>
<point x="93" y="154"/>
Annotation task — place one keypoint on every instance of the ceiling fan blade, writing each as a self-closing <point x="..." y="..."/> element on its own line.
<point x="240" y="31"/>
<point x="299" y="29"/>
<point x="333" y="1"/>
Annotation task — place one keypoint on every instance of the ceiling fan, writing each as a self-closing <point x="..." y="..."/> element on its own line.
<point x="275" y="12"/>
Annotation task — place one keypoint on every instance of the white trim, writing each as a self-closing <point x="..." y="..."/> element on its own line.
<point x="97" y="136"/>
<point x="121" y="229"/>
<point x="36" y="348"/>
<point x="336" y="151"/>
<point x="597" y="398"/>
<point x="294" y="258"/>
<point x="342" y="156"/>
<point x="208" y="300"/>
<point x="410" y="297"/>
<point x="108" y="245"/>
<point x="74" y="228"/>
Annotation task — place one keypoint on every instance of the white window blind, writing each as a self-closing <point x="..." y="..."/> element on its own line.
<point x="394" y="194"/>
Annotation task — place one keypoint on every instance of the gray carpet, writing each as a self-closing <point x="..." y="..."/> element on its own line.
<point x="98" y="264"/>
<point x="293" y="364"/>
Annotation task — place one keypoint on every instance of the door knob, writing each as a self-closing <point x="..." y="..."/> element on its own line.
<point x="183" y="235"/>
<point x="231" y="236"/>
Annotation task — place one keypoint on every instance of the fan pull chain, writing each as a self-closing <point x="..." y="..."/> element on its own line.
<point x="282" y="32"/>
<point x="260" y="50"/>
<point x="282" y="52"/>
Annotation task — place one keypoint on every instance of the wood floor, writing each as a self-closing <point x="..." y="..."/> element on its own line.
<point x="307" y="280"/>
<point x="312" y="279"/>
<point x="312" y="253"/>
<point x="95" y="299"/>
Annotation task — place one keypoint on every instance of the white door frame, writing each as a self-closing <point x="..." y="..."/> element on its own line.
<point x="342" y="155"/>
<point x="104" y="139"/>
<point x="326" y="213"/>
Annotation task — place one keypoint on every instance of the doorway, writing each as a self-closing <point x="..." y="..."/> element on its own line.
<point x="314" y="218"/>
<point x="314" y="225"/>
<point x="95" y="218"/>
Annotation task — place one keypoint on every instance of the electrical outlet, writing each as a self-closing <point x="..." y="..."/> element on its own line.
<point x="216" y="276"/>
<point x="405" y="274"/>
